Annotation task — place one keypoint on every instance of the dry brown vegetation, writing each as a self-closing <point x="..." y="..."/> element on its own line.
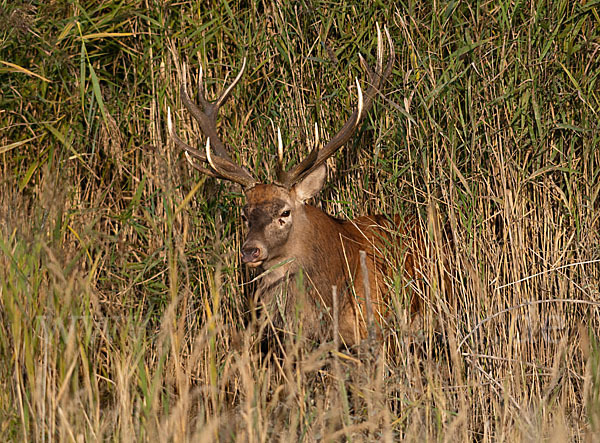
<point x="124" y="313"/>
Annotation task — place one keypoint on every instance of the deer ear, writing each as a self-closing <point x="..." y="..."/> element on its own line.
<point x="311" y="184"/>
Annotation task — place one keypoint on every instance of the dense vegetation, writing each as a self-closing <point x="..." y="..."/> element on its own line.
<point x="123" y="309"/>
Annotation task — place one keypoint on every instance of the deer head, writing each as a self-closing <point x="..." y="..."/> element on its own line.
<point x="276" y="214"/>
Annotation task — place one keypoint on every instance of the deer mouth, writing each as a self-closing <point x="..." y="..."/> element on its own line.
<point x="254" y="264"/>
<point x="253" y="256"/>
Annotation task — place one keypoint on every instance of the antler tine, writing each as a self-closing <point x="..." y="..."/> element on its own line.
<point x="279" y="148"/>
<point x="180" y="143"/>
<point x="226" y="94"/>
<point x="189" y="151"/>
<point x="365" y="102"/>
<point x="288" y="178"/>
<point x="206" y="116"/>
<point x="280" y="168"/>
<point x="202" y="169"/>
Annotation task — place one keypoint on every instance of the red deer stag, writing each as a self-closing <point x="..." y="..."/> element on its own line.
<point x="304" y="251"/>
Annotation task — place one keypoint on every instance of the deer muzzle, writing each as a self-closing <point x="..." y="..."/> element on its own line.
<point x="253" y="255"/>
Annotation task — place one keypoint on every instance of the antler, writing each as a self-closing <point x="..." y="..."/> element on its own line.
<point x="365" y="102"/>
<point x="222" y="165"/>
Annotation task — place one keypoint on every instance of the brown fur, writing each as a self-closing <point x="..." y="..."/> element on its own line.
<point x="319" y="252"/>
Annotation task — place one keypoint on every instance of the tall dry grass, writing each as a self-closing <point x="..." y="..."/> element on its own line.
<point x="124" y="312"/>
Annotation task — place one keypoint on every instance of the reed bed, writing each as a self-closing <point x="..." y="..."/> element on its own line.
<point x="125" y="312"/>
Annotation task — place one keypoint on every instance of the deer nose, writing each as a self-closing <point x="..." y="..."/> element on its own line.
<point x="251" y="253"/>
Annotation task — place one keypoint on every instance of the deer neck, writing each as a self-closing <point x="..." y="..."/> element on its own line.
<point x="320" y="256"/>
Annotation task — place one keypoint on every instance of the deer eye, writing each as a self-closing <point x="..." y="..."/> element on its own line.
<point x="285" y="213"/>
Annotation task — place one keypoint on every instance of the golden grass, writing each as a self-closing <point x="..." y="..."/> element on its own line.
<point x="124" y="314"/>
